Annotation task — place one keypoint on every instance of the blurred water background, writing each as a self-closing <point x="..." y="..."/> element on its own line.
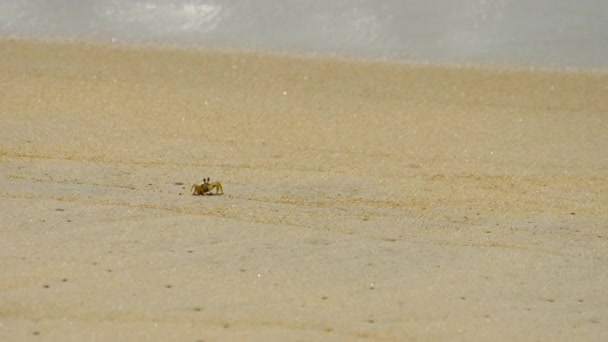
<point x="545" y="33"/>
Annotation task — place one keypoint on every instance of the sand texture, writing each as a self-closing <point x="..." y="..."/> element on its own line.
<point x="363" y="200"/>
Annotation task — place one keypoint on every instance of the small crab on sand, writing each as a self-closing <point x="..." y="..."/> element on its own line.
<point x="206" y="188"/>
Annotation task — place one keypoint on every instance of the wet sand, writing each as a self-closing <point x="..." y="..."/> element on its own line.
<point x="363" y="200"/>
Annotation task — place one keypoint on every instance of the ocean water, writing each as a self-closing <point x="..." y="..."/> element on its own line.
<point x="547" y="33"/>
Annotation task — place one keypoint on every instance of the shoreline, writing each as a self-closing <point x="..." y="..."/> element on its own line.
<point x="313" y="56"/>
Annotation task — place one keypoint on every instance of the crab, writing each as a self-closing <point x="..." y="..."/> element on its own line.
<point x="206" y="188"/>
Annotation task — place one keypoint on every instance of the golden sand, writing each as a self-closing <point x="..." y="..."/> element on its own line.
<point x="363" y="199"/>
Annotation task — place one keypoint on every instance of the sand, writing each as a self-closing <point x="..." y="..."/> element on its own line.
<point x="363" y="200"/>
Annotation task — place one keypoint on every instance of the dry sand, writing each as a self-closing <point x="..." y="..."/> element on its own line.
<point x="363" y="200"/>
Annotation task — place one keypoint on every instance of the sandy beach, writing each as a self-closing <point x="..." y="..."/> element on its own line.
<point x="362" y="200"/>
